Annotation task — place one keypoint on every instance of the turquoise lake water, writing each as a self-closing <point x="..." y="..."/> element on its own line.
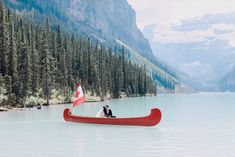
<point x="194" y="125"/>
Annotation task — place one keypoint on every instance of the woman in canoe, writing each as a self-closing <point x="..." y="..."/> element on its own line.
<point x="102" y="113"/>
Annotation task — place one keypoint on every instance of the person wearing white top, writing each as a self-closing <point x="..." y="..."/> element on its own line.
<point x="101" y="113"/>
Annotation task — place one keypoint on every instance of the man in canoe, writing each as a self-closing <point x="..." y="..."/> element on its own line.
<point x="105" y="112"/>
<point x="109" y="112"/>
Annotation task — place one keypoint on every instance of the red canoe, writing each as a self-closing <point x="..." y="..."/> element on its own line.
<point x="152" y="119"/>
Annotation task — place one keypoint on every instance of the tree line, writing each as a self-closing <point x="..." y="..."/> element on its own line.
<point x="36" y="59"/>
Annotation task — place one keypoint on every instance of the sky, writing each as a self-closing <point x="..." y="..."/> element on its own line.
<point x="167" y="12"/>
<point x="190" y="33"/>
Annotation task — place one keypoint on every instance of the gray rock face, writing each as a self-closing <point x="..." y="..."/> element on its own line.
<point x="105" y="20"/>
<point x="113" y="18"/>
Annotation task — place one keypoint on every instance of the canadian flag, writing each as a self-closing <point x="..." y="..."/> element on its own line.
<point x="79" y="97"/>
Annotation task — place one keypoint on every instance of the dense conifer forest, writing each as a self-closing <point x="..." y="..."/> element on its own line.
<point x="41" y="62"/>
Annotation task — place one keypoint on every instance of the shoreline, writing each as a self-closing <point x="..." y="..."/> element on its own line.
<point x="88" y="100"/>
<point x="10" y="109"/>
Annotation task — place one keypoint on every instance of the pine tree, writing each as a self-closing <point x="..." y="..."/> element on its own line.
<point x="24" y="67"/>
<point x="117" y="75"/>
<point x="145" y="80"/>
<point x="4" y="43"/>
<point x="12" y="55"/>
<point x="46" y="62"/>
<point x="109" y="71"/>
<point x="124" y="70"/>
<point x="59" y="58"/>
<point x="35" y="65"/>
<point x="1" y="37"/>
<point x="53" y="64"/>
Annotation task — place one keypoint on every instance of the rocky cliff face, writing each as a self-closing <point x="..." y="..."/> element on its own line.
<point x="114" y="18"/>
<point x="105" y="20"/>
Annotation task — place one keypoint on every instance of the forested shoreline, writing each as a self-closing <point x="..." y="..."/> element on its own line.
<point x="39" y="63"/>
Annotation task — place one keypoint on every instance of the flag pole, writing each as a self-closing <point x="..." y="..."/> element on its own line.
<point x="71" y="108"/>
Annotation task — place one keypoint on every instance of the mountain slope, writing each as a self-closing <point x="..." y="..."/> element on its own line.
<point x="159" y="75"/>
<point x="107" y="21"/>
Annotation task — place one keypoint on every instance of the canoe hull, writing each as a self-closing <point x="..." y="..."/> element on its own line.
<point x="151" y="120"/>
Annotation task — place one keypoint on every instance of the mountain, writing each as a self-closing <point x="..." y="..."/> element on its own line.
<point x="38" y="64"/>
<point x="202" y="47"/>
<point x="111" y="22"/>
<point x="106" y="20"/>
<point x="227" y="83"/>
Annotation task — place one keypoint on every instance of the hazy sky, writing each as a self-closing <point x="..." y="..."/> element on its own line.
<point x="172" y="11"/>
<point x="168" y="13"/>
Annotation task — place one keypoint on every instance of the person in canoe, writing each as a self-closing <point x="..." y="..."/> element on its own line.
<point x="105" y="112"/>
<point x="102" y="113"/>
<point x="109" y="112"/>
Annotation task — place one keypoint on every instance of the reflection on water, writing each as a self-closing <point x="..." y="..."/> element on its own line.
<point x="192" y="125"/>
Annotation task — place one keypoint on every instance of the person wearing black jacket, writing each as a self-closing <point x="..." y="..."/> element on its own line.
<point x="108" y="112"/>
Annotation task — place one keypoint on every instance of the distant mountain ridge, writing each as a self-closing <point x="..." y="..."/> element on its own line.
<point x="202" y="47"/>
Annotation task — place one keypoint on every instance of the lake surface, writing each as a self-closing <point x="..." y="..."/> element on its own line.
<point x="194" y="125"/>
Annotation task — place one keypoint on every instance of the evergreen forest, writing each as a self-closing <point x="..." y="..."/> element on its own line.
<point x="43" y="62"/>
